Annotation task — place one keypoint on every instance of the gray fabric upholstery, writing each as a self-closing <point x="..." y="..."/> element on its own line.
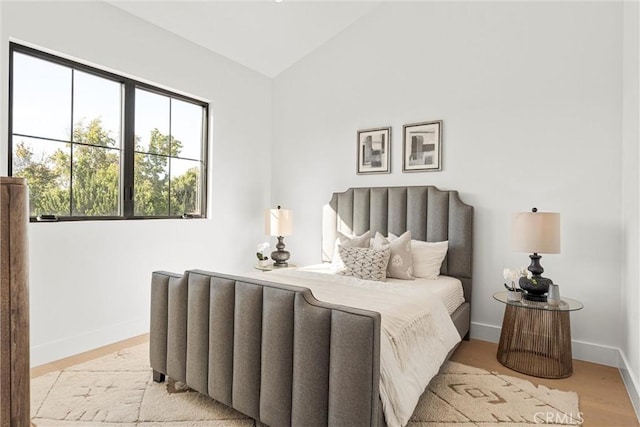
<point x="159" y="320"/>
<point x="274" y="352"/>
<point x="278" y="355"/>
<point x="355" y="357"/>
<point x="432" y="215"/>
<point x="177" y="329"/>
<point x="462" y="319"/>
<point x="311" y="364"/>
<point x="221" y="314"/>
<point x="276" y="375"/>
<point x="198" y="333"/>
<point x="247" y="340"/>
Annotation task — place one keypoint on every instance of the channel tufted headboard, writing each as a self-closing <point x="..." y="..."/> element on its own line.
<point x="431" y="214"/>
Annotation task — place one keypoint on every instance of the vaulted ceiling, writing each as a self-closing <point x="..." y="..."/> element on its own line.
<point x="266" y="36"/>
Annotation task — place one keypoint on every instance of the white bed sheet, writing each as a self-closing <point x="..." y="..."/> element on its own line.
<point x="448" y="289"/>
<point x="417" y="332"/>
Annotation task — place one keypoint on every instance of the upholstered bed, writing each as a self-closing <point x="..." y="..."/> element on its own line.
<point x="272" y="350"/>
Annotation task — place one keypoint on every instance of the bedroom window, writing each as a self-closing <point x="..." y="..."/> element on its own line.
<point x="96" y="145"/>
<point x="168" y="155"/>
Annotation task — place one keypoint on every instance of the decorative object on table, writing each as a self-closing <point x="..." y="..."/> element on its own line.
<point x="279" y="223"/>
<point x="422" y="147"/>
<point x="513" y="292"/>
<point x="553" y="298"/>
<point x="514" y="296"/>
<point x="263" y="260"/>
<point x="374" y="148"/>
<point x="537" y="233"/>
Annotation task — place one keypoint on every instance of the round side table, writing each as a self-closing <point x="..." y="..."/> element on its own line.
<point x="536" y="337"/>
<point x="272" y="267"/>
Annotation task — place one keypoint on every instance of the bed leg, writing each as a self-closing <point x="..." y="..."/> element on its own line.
<point x="158" y="376"/>
<point x="467" y="337"/>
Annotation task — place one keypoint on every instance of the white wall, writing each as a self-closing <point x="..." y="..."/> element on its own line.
<point x="89" y="281"/>
<point x="631" y="193"/>
<point x="530" y="95"/>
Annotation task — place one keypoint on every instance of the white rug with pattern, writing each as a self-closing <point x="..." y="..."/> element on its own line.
<point x="117" y="390"/>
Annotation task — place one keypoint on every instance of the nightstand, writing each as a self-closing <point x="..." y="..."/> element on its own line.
<point x="272" y="267"/>
<point x="536" y="337"/>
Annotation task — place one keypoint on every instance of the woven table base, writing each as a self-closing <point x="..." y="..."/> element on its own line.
<point x="536" y="342"/>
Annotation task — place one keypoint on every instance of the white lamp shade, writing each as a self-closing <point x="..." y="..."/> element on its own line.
<point x="278" y="222"/>
<point x="535" y="232"/>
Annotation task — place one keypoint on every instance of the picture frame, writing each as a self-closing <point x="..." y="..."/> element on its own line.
<point x="374" y="151"/>
<point x="422" y="146"/>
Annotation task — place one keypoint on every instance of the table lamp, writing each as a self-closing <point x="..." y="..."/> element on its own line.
<point x="279" y="223"/>
<point x="536" y="233"/>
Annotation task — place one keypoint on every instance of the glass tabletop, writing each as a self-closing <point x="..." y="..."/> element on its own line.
<point x="566" y="304"/>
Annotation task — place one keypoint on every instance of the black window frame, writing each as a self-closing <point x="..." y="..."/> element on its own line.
<point x="127" y="172"/>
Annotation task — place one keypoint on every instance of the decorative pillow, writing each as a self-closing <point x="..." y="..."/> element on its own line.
<point x="400" y="261"/>
<point x="361" y="241"/>
<point x="428" y="257"/>
<point x="364" y="263"/>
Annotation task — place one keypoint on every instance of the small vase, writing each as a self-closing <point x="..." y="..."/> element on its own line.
<point x="263" y="263"/>
<point x="553" y="298"/>
<point x="514" y="296"/>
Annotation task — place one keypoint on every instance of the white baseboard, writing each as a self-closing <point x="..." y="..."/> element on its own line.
<point x="69" y="346"/>
<point x="630" y="383"/>
<point x="484" y="332"/>
<point x="589" y="352"/>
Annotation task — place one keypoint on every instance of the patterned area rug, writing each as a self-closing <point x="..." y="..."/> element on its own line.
<point x="117" y="390"/>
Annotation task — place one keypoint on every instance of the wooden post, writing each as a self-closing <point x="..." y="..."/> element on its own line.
<point x="14" y="303"/>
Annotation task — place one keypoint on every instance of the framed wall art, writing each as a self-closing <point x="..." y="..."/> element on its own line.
<point x="374" y="149"/>
<point x="422" y="147"/>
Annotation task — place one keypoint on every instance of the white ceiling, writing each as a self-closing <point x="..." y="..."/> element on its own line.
<point x="266" y="36"/>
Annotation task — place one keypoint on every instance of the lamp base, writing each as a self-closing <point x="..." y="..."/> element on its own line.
<point x="535" y="288"/>
<point x="280" y="256"/>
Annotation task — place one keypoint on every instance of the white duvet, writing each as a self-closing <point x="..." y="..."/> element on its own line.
<point x="417" y="332"/>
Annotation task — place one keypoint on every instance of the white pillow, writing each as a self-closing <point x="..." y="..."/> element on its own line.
<point x="400" y="261"/>
<point x="364" y="263"/>
<point x="361" y="241"/>
<point x="427" y="258"/>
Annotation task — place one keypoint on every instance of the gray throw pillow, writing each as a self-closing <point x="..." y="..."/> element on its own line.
<point x="400" y="262"/>
<point x="364" y="263"/>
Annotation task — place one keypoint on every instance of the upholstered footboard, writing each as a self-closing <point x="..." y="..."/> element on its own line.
<point x="271" y="351"/>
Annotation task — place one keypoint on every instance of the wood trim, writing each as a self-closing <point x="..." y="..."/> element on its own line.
<point x="14" y="303"/>
<point x="86" y="356"/>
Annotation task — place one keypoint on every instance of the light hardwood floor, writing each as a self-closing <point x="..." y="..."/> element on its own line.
<point x="603" y="397"/>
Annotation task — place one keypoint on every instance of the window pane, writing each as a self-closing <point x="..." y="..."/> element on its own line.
<point x="46" y="165"/>
<point x="96" y="110"/>
<point x="185" y="187"/>
<point x="41" y="98"/>
<point x="186" y="129"/>
<point x="152" y="122"/>
<point x="67" y="131"/>
<point x="96" y="181"/>
<point x="151" y="185"/>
